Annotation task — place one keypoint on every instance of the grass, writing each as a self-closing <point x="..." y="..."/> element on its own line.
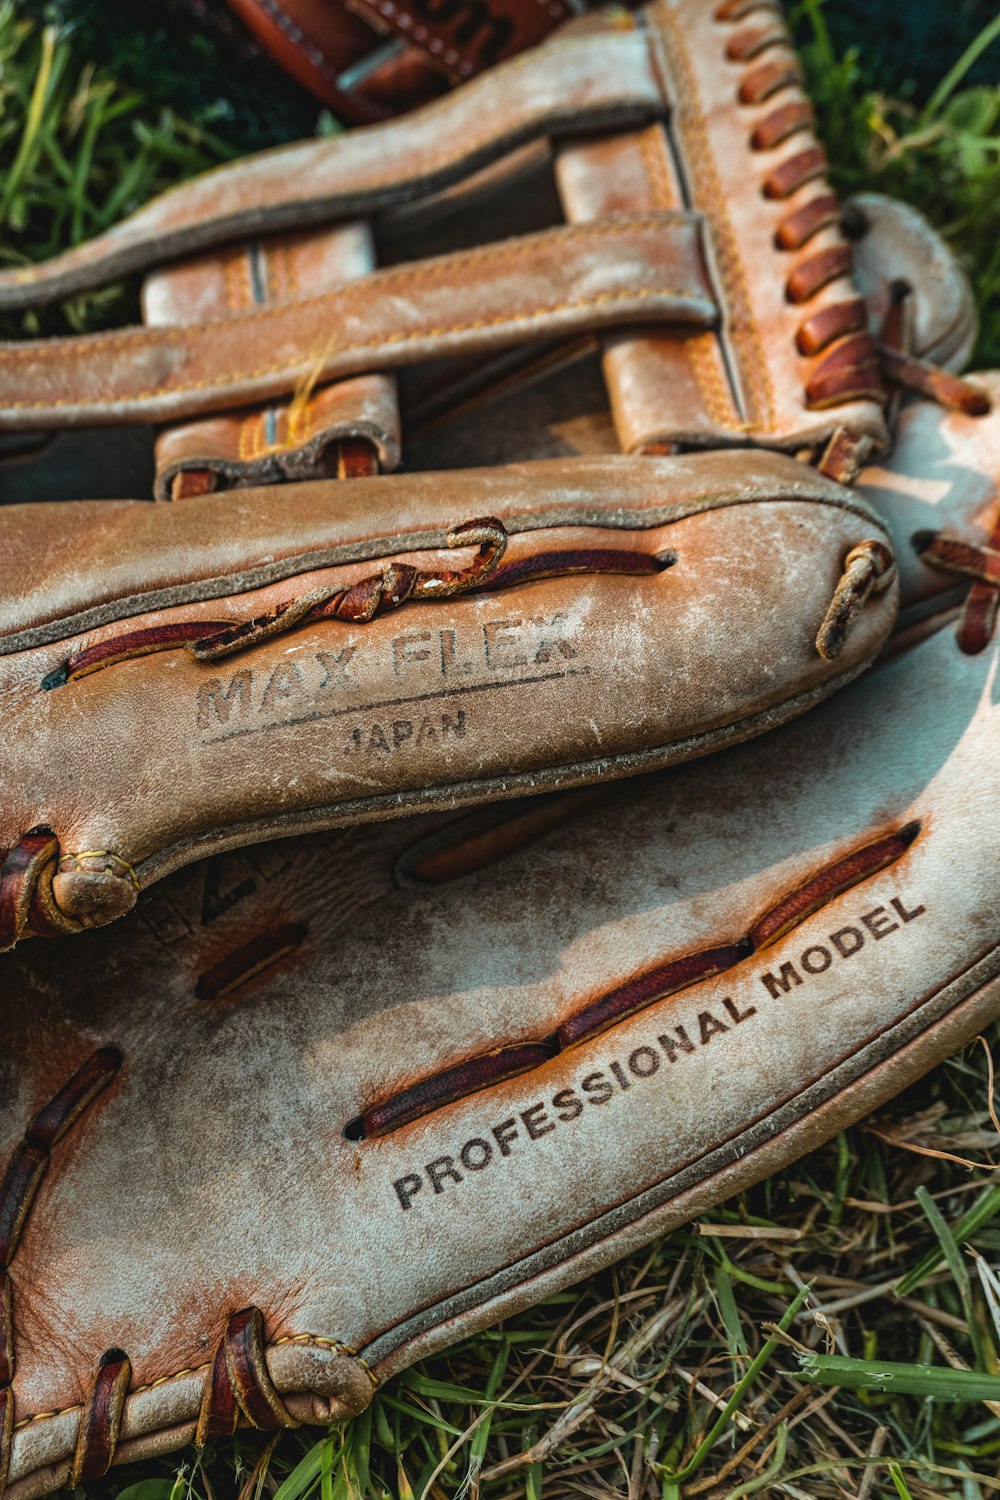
<point x="835" y="1331"/>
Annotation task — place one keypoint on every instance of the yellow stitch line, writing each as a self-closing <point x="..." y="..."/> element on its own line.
<point x="337" y="1345"/>
<point x="244" y="446"/>
<point x="653" y="148"/>
<point x="713" y="386"/>
<point x="704" y="366"/>
<point x="691" y="123"/>
<point x="509" y="319"/>
<point x="429" y="270"/>
<point x="103" y="854"/>
<point x="291" y="274"/>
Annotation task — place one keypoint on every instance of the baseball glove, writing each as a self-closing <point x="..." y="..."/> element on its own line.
<point x="463" y="1072"/>
<point x="234" y="656"/>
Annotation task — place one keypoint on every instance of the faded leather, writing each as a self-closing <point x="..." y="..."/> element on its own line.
<point x="588" y="83"/>
<point x="556" y="283"/>
<point x="705" y="247"/>
<point x="377" y="1251"/>
<point x="689" y="618"/>
<point x="299" y="439"/>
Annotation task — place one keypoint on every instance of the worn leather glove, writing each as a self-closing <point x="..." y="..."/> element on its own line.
<point x="233" y="657"/>
<point x="657" y="171"/>
<point x="179" y="679"/>
<point x="385" y="1086"/>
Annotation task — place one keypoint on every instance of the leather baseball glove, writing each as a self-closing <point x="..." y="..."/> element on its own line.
<point x="502" y="1065"/>
<point x="579" y="600"/>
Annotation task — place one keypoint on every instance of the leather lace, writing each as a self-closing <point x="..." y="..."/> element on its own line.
<point x="641" y="990"/>
<point x="848" y="367"/>
<point x="238" y="1386"/>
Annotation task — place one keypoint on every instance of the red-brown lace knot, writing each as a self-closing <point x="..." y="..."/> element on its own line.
<point x="396" y="585"/>
<point x="28" y="905"/>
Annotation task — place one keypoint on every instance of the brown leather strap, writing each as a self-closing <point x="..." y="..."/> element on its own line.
<point x="555" y="283"/>
<point x="582" y="83"/>
<point x="101" y="1418"/>
<point x="239" y="1382"/>
<point x="302" y="438"/>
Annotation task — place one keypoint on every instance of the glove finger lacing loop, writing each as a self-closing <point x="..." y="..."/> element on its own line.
<point x="28" y="906"/>
<point x="869" y="569"/>
<point x="849" y="367"/>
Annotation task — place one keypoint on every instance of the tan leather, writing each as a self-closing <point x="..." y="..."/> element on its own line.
<point x="551" y="284"/>
<point x="288" y="440"/>
<point x="525" y="686"/>
<point x="150" y="1230"/>
<point x="715" y="222"/>
<point x="746" y="381"/>
<point x="587" y="82"/>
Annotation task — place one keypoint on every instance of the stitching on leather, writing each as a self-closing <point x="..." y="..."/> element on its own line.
<point x="690" y="120"/>
<point x="312" y="1339"/>
<point x="404" y="275"/>
<point x="397" y="339"/>
<point x="701" y="351"/>
<point x="27" y="274"/>
<point x="426" y="38"/>
<point x="313" y="55"/>
<point x="718" y="398"/>
<point x="42" y="1136"/>
<point x="652" y="148"/>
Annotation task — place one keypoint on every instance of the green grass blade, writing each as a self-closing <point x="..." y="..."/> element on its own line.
<point x="930" y="1382"/>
